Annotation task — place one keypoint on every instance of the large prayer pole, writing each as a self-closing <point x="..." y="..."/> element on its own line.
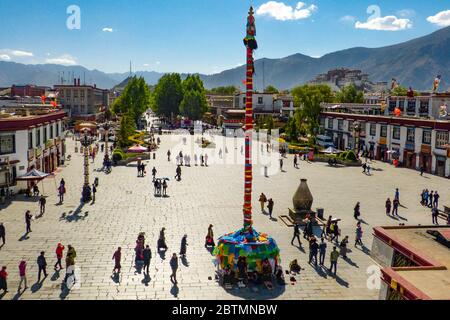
<point x="250" y="44"/>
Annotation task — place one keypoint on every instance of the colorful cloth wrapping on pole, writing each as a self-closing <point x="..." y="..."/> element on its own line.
<point x="254" y="246"/>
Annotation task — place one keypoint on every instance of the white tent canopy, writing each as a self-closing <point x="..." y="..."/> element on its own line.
<point x="33" y="175"/>
<point x="331" y="150"/>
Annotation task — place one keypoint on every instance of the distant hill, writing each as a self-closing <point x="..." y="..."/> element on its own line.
<point x="413" y="63"/>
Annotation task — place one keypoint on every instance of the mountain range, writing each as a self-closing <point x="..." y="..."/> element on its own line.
<point x="413" y="63"/>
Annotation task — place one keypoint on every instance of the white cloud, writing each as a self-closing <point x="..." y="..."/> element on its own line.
<point x="388" y="23"/>
<point x="146" y="65"/>
<point x="441" y="19"/>
<point x="283" y="12"/>
<point x="19" y="53"/>
<point x="5" y="57"/>
<point x="65" y="59"/>
<point x="158" y="63"/>
<point x="348" y="19"/>
<point x="106" y="29"/>
<point x="406" y="13"/>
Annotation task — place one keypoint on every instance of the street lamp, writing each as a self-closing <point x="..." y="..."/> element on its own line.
<point x="86" y="141"/>
<point x="356" y="134"/>
<point x="106" y="127"/>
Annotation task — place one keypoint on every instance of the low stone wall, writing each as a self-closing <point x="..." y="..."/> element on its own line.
<point x="144" y="156"/>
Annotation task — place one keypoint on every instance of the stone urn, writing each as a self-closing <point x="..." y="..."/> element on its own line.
<point x="302" y="202"/>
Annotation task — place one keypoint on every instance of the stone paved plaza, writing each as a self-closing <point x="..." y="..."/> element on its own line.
<point x="126" y="205"/>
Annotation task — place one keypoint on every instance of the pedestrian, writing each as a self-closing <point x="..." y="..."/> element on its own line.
<point x="436" y="200"/>
<point x="59" y="254"/>
<point x="356" y="211"/>
<point x="270" y="206"/>
<point x="195" y="159"/>
<point x="262" y="200"/>
<point x="22" y="274"/>
<point x="364" y="166"/>
<point x="94" y="191"/>
<point x="154" y="173"/>
<point x="422" y="170"/>
<point x="395" y="204"/>
<point x="4" y="280"/>
<point x="162" y="240"/>
<point x="178" y="173"/>
<point x="322" y="251"/>
<point x="335" y="232"/>
<point x="42" y="203"/>
<point x="359" y="233"/>
<point x="434" y="216"/>
<point x="209" y="240"/>
<point x="164" y="187"/>
<point x="70" y="263"/>
<point x="328" y="228"/>
<point x="296" y="235"/>
<point x="61" y="191"/>
<point x="147" y="253"/>
<point x="117" y="256"/>
<point x="28" y="217"/>
<point x="174" y="266"/>
<point x="168" y="155"/>
<point x="202" y="161"/>
<point x="343" y="247"/>
<point x="42" y="266"/>
<point x="397" y="195"/>
<point x="334" y="256"/>
<point x="2" y="233"/>
<point x="425" y="201"/>
<point x="281" y="164"/>
<point x="295" y="161"/>
<point x="313" y="250"/>
<point x="430" y="199"/>
<point x="183" y="247"/>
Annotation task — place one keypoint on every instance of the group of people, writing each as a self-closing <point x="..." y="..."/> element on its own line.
<point x="429" y="199"/>
<point x="41" y="262"/>
<point x="366" y="168"/>
<point x="141" y="169"/>
<point x="270" y="203"/>
<point x="392" y="207"/>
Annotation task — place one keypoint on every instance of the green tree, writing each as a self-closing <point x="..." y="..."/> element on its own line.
<point x="226" y="90"/>
<point x="350" y="94"/>
<point x="134" y="100"/>
<point x="271" y="89"/>
<point x="194" y="103"/>
<point x="168" y="95"/>
<point x="308" y="99"/>
<point x="127" y="128"/>
<point x="399" y="91"/>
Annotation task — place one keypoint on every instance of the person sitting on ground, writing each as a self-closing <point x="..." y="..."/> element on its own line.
<point x="253" y="278"/>
<point x="267" y="274"/>
<point x="242" y="269"/>
<point x="294" y="267"/>
<point x="228" y="276"/>
<point x="279" y="276"/>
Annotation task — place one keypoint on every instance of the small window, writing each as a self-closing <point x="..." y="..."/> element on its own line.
<point x="330" y="123"/>
<point x="383" y="132"/>
<point x="441" y="139"/>
<point x="426" y="137"/>
<point x="340" y="124"/>
<point x="396" y="133"/>
<point x="410" y="135"/>
<point x="260" y="100"/>
<point x="373" y="129"/>
<point x="30" y="140"/>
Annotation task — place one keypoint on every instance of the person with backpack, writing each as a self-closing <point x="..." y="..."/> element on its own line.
<point x="262" y="200"/>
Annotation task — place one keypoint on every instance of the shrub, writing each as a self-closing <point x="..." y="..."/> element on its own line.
<point x="350" y="156"/>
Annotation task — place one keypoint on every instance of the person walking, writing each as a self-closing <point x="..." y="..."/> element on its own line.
<point x="59" y="254"/>
<point x="147" y="253"/>
<point x="281" y="164"/>
<point x="313" y="250"/>
<point x="94" y="191"/>
<point x="2" y="233"/>
<point x="270" y="206"/>
<point x="22" y="274"/>
<point x="356" y="211"/>
<point x="397" y="195"/>
<point x="430" y="199"/>
<point x="168" y="155"/>
<point x="388" y="206"/>
<point x="70" y="263"/>
<point x="4" y="280"/>
<point x="117" y="256"/>
<point x="395" y="205"/>
<point x="178" y="173"/>
<point x="343" y="247"/>
<point x="295" y="161"/>
<point x="334" y="256"/>
<point x="359" y="233"/>
<point x="322" y="251"/>
<point x="174" y="266"/>
<point x="335" y="232"/>
<point x="164" y="187"/>
<point x="61" y="191"/>
<point x="162" y="240"/>
<point x="434" y="216"/>
<point x="42" y="266"/>
<point x="296" y="235"/>
<point x="436" y="200"/>
<point x="183" y="247"/>
<point x="209" y="240"/>
<point x="28" y="217"/>
<point x="42" y="203"/>
<point x="422" y="170"/>
<point x="262" y="200"/>
<point x="154" y="173"/>
<point x="364" y="166"/>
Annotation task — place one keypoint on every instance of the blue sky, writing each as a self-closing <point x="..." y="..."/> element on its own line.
<point x="203" y="35"/>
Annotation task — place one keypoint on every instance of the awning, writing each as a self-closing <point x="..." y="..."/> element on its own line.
<point x="33" y="175"/>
